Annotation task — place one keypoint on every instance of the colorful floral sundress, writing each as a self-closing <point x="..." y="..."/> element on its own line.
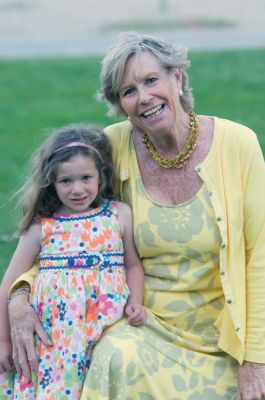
<point x="80" y="290"/>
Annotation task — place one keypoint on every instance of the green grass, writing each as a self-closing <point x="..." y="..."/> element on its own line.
<point x="37" y="95"/>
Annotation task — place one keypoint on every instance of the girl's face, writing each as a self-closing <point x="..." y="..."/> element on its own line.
<point x="149" y="94"/>
<point x="76" y="184"/>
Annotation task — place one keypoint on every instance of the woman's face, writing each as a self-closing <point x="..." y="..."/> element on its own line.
<point x="149" y="94"/>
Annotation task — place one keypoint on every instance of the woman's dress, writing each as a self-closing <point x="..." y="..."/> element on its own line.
<point x="175" y="356"/>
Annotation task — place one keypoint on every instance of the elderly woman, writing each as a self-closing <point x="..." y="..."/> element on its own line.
<point x="196" y="188"/>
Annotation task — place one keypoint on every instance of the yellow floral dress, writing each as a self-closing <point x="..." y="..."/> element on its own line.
<point x="175" y="356"/>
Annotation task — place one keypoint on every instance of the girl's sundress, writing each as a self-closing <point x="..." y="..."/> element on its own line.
<point x="79" y="291"/>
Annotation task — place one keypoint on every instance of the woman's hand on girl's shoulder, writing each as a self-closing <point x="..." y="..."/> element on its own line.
<point x="6" y="362"/>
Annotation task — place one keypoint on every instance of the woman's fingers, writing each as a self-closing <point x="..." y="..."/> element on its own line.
<point x="8" y="365"/>
<point x="31" y="353"/>
<point x="16" y="363"/>
<point x="22" y="321"/>
<point x="43" y="336"/>
<point x="24" y="364"/>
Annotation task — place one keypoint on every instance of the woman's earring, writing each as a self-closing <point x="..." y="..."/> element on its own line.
<point x="181" y="92"/>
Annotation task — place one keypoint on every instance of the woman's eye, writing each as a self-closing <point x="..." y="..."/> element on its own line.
<point x="127" y="92"/>
<point x="151" y="80"/>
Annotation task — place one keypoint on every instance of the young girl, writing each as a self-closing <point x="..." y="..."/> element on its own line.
<point x="84" y="243"/>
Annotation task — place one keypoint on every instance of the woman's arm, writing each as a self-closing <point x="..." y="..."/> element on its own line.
<point x="25" y="253"/>
<point x="23" y="320"/>
<point x="27" y="250"/>
<point x="251" y="375"/>
<point x="25" y="279"/>
<point x="134" y="269"/>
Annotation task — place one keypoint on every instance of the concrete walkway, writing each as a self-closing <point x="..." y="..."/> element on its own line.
<point x="41" y="28"/>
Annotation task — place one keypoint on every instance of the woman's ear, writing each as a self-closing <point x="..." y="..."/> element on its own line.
<point x="178" y="75"/>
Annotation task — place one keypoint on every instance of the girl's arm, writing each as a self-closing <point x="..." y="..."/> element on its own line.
<point x="134" y="269"/>
<point x="27" y="250"/>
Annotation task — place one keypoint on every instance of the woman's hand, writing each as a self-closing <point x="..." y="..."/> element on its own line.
<point x="24" y="322"/>
<point x="136" y="314"/>
<point x="251" y="381"/>
<point x="6" y="362"/>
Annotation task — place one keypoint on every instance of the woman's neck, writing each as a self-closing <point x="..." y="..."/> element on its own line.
<point x="170" y="143"/>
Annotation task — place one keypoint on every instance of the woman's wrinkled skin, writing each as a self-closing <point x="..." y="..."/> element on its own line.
<point x="251" y="381"/>
<point x="7" y="362"/>
<point x="24" y="323"/>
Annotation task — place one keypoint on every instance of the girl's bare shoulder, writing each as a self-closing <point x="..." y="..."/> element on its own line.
<point x="123" y="208"/>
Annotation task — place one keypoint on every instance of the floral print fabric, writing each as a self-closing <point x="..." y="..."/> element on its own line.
<point x="80" y="290"/>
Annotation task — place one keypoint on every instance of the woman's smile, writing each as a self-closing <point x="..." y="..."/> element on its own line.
<point x="154" y="112"/>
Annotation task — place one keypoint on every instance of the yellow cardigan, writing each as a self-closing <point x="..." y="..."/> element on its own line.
<point x="233" y="173"/>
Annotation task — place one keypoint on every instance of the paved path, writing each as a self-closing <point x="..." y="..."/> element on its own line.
<point x="78" y="27"/>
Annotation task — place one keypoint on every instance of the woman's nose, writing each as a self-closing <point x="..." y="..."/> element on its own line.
<point x="144" y="96"/>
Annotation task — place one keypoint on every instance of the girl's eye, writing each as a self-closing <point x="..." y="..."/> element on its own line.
<point x="87" y="178"/>
<point x="65" y="181"/>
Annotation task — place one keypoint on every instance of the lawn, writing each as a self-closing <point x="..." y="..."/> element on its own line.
<point x="37" y="95"/>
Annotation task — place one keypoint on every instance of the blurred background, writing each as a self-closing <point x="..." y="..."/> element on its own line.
<point x="47" y="27"/>
<point x="50" y="54"/>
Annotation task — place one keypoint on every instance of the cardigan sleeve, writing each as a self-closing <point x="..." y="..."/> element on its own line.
<point x="27" y="277"/>
<point x="119" y="136"/>
<point x="254" y="235"/>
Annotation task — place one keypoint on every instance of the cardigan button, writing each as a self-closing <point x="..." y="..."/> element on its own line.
<point x="222" y="273"/>
<point x="124" y="175"/>
<point x="223" y="245"/>
<point x="219" y="219"/>
<point x="229" y="301"/>
<point x="198" y="169"/>
<point x="237" y="329"/>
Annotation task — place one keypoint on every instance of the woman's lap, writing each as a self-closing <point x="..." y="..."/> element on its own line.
<point x="144" y="363"/>
<point x="132" y="363"/>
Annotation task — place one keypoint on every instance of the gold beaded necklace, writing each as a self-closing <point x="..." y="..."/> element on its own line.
<point x="186" y="152"/>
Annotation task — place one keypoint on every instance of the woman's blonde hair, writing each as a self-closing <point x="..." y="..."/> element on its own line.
<point x="38" y="195"/>
<point x="129" y="44"/>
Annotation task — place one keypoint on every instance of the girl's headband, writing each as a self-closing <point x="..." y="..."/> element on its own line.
<point x="79" y="144"/>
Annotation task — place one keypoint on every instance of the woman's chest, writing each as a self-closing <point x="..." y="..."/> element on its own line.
<point x="169" y="186"/>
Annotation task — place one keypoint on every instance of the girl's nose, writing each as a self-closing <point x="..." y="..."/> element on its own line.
<point x="77" y="188"/>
